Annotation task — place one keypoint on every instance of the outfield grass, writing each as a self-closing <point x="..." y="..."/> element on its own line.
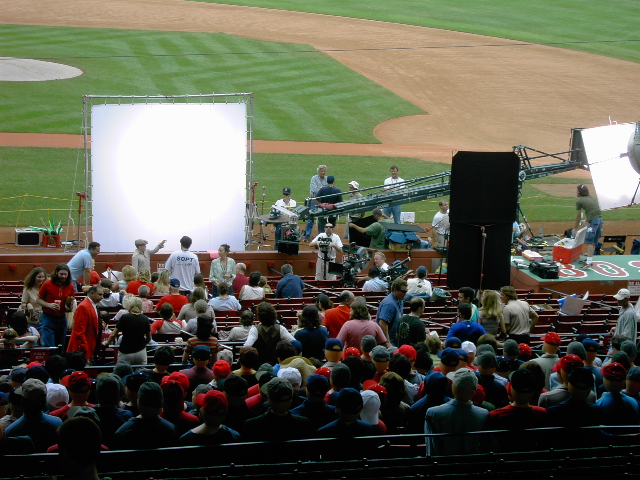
<point x="24" y="203"/>
<point x="608" y="28"/>
<point x="297" y="96"/>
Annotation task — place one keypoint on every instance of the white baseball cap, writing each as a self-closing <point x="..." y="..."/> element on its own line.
<point x="622" y="293"/>
<point x="355" y="184"/>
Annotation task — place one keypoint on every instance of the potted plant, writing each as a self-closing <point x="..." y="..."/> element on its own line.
<point x="50" y="233"/>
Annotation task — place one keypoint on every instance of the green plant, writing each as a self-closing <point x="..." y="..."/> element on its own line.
<point x="51" y="229"/>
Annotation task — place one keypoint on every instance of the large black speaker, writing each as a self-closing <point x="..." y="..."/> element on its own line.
<point x="466" y="267"/>
<point x="484" y="199"/>
<point x="484" y="187"/>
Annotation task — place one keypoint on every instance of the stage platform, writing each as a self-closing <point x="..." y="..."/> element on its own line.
<point x="609" y="274"/>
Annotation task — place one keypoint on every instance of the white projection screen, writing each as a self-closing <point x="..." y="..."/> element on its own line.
<point x="614" y="178"/>
<point x="161" y="171"/>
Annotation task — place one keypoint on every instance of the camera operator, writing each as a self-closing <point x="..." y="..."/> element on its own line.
<point x="328" y="244"/>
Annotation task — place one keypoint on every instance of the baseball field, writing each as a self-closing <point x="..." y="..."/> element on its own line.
<point x="356" y="85"/>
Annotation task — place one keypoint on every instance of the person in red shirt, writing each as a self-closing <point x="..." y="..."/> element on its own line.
<point x="86" y="324"/>
<point x="174" y="298"/>
<point x="519" y="415"/>
<point x="144" y="278"/>
<point x="54" y="294"/>
<point x="241" y="279"/>
<point x="335" y="318"/>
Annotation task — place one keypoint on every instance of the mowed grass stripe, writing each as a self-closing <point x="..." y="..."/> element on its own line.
<point x="545" y="21"/>
<point x="302" y="86"/>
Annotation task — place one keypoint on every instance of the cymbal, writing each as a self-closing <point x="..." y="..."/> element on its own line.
<point x="281" y="219"/>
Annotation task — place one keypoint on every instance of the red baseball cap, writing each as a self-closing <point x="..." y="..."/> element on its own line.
<point x="552" y="338"/>
<point x="221" y="369"/>
<point x="568" y="363"/>
<point x="77" y="382"/>
<point x="525" y="350"/>
<point x="325" y="372"/>
<point x="177" y="377"/>
<point x="351" y="352"/>
<point x="408" y="351"/>
<point x="213" y="402"/>
<point x="614" y="371"/>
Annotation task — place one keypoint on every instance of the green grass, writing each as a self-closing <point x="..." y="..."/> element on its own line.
<point x="609" y="28"/>
<point x="24" y="201"/>
<point x="297" y="96"/>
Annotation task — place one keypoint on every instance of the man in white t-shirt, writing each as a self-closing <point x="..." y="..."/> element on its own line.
<point x="391" y="185"/>
<point x="334" y="245"/>
<point x="285" y="202"/>
<point x="441" y="224"/>
<point x="183" y="265"/>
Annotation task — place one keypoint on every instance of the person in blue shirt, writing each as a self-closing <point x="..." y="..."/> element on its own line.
<point x="466" y="330"/>
<point x="290" y="285"/>
<point x="618" y="409"/>
<point x="391" y="310"/>
<point x="80" y="265"/>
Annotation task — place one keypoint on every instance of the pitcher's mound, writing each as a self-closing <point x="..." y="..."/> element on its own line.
<point x="27" y="70"/>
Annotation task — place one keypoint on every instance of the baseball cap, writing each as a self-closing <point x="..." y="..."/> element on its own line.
<point x="18" y="374"/>
<point x="453" y="342"/>
<point x="292" y="375"/>
<point x="349" y="401"/>
<point x="317" y="384"/>
<point x="511" y="348"/>
<point x="324" y="371"/>
<point x="590" y="345"/>
<point x="436" y="384"/>
<point x="525" y="350"/>
<point x="279" y="390"/>
<point x="469" y="347"/>
<point x="84" y="411"/>
<point x="334" y="345"/>
<point x="464" y="356"/>
<point x="214" y="402"/>
<point x="581" y="378"/>
<point x="552" y="338"/>
<point x="77" y="382"/>
<point x="286" y="191"/>
<point x="221" y="369"/>
<point x="370" y="407"/>
<point x="34" y="390"/>
<point x="504" y="364"/>
<point x="523" y="381"/>
<point x="201" y="352"/>
<point x="487" y="360"/>
<point x="634" y="374"/>
<point x="57" y="395"/>
<point x="376" y="387"/>
<point x="449" y="357"/>
<point x="613" y="371"/>
<point x="622" y="293"/>
<point x="140" y="241"/>
<point x="568" y="363"/>
<point x="174" y="282"/>
<point x="235" y="385"/>
<point x="134" y="380"/>
<point x="150" y="395"/>
<point x="464" y="378"/>
<point x="331" y="179"/>
<point x="351" y="352"/>
<point x="354" y="184"/>
<point x="408" y="351"/>
<point x="380" y="354"/>
<point x="176" y="377"/>
<point x="368" y="343"/>
<point x="421" y="271"/>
